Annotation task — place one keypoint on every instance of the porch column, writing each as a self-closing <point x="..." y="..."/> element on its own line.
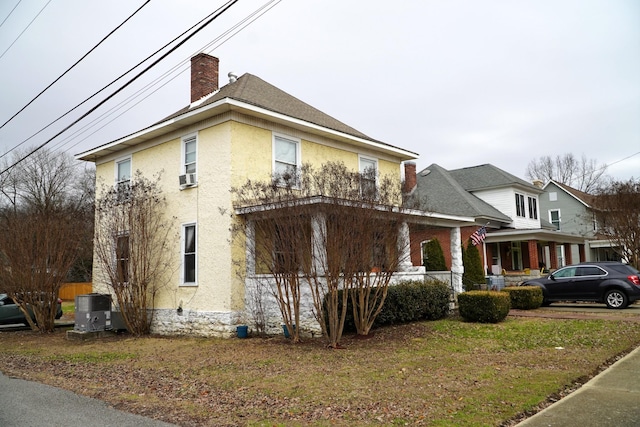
<point x="318" y="243"/>
<point x="250" y="248"/>
<point x="457" y="267"/>
<point x="534" y="262"/>
<point x="553" y="255"/>
<point x="404" y="248"/>
<point x="567" y="254"/>
<point x="581" y="252"/>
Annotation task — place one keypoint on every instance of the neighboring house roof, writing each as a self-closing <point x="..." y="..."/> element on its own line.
<point x="487" y="176"/>
<point x="255" y="97"/>
<point x="439" y="191"/>
<point x="584" y="198"/>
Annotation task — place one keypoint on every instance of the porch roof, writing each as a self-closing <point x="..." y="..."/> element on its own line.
<point x="540" y="234"/>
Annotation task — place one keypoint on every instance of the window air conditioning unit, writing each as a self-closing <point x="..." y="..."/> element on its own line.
<point x="93" y="312"/>
<point x="187" y="180"/>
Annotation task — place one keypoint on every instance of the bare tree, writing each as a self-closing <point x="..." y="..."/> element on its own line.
<point x="334" y="229"/>
<point x="617" y="211"/>
<point x="582" y="174"/>
<point x="133" y="244"/>
<point x="43" y="227"/>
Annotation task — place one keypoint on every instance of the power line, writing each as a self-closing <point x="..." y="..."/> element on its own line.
<point x="76" y="63"/>
<point x="113" y="81"/>
<point x="153" y="64"/>
<point x="218" y="41"/>
<point x="25" y="29"/>
<point x="14" y="8"/>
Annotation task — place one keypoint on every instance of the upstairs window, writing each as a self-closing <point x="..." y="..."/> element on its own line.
<point x="189" y="156"/>
<point x="533" y="208"/>
<point x="286" y="160"/>
<point x="368" y="177"/>
<point x="554" y="218"/>
<point x="123" y="179"/>
<point x="520" y="206"/>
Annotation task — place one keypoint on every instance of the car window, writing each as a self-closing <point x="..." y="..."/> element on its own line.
<point x="591" y="270"/>
<point x="624" y="269"/>
<point x="565" y="272"/>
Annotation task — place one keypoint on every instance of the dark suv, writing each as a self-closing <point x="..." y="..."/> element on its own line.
<point x="612" y="283"/>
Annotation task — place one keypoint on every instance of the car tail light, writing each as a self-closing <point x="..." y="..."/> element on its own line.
<point x="634" y="279"/>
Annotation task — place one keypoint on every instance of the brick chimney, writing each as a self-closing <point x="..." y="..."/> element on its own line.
<point x="204" y="75"/>
<point x="409" y="176"/>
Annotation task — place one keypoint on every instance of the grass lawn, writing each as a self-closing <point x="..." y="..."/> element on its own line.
<point x="440" y="373"/>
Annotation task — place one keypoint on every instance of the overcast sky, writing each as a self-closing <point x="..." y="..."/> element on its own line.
<point x="461" y="83"/>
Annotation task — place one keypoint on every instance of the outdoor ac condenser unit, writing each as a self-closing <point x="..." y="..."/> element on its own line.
<point x="93" y="312"/>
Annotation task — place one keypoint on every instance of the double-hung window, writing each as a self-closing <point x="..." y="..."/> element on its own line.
<point x="189" y="154"/>
<point x="533" y="207"/>
<point x="189" y="258"/>
<point x="368" y="177"/>
<point x="286" y="160"/>
<point x="123" y="178"/>
<point x="122" y="259"/>
<point x="554" y="218"/>
<point x="520" y="205"/>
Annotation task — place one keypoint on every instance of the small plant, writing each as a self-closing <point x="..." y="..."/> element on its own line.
<point x="473" y="271"/>
<point x="525" y="297"/>
<point x="433" y="256"/>
<point x="484" y="306"/>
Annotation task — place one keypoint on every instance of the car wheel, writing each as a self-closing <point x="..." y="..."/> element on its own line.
<point x="615" y="298"/>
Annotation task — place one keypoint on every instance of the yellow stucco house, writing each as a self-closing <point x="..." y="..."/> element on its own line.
<point x="247" y="129"/>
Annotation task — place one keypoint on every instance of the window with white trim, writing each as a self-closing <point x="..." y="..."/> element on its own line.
<point x="533" y="207"/>
<point x="123" y="178"/>
<point x="286" y="159"/>
<point x="368" y="176"/>
<point x="554" y="218"/>
<point x="189" y="274"/>
<point x="189" y="154"/>
<point x="520" y="205"/>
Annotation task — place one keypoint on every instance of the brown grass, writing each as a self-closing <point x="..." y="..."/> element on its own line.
<point x="443" y="373"/>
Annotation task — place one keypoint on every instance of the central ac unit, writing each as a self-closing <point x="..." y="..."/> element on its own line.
<point x="93" y="312"/>
<point x="188" y="179"/>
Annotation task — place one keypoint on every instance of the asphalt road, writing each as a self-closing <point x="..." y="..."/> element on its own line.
<point x="31" y="404"/>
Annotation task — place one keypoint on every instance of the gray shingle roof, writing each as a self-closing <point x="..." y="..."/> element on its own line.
<point x="255" y="91"/>
<point x="487" y="176"/>
<point x="439" y="191"/>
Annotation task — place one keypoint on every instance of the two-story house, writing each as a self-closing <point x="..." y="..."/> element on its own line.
<point x="246" y="130"/>
<point x="571" y="211"/>
<point x="517" y="238"/>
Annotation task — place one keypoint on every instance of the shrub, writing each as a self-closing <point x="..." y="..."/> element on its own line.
<point x="433" y="256"/>
<point x="473" y="271"/>
<point x="525" y="297"/>
<point x="484" y="306"/>
<point x="408" y="301"/>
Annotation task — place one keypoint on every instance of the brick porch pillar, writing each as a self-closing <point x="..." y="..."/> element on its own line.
<point x="553" y="254"/>
<point x="533" y="255"/>
<point x="567" y="254"/>
<point x="581" y="253"/>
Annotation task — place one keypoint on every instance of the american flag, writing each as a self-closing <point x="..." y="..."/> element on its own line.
<point x="478" y="236"/>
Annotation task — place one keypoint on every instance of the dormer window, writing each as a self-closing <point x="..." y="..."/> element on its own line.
<point x="533" y="207"/>
<point x="520" y="206"/>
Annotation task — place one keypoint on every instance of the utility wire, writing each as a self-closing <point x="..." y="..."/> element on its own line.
<point x="153" y="64"/>
<point x="14" y="8"/>
<point x="76" y="63"/>
<point x="112" y="82"/>
<point x="218" y="41"/>
<point x="25" y="29"/>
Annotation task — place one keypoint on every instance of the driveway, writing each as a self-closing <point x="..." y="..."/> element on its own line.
<point x="580" y="310"/>
<point x="31" y="404"/>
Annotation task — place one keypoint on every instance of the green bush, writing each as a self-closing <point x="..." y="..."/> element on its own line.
<point x="433" y="256"/>
<point x="484" y="306"/>
<point x="525" y="297"/>
<point x="473" y="270"/>
<point x="408" y="301"/>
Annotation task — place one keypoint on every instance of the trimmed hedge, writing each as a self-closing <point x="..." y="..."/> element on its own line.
<point x="525" y="297"/>
<point x="484" y="306"/>
<point x="408" y="301"/>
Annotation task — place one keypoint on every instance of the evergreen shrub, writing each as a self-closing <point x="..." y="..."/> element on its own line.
<point x="525" y="297"/>
<point x="484" y="306"/>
